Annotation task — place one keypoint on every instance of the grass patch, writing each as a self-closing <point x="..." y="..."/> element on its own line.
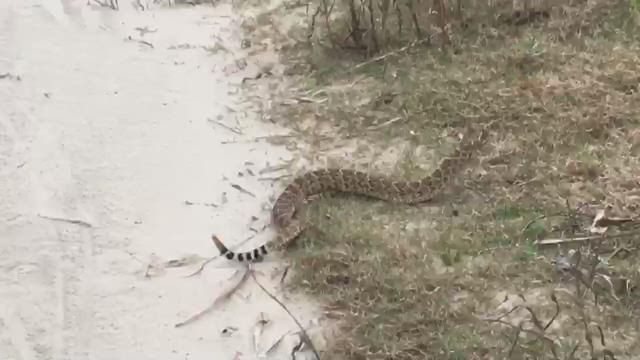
<point x="462" y="278"/>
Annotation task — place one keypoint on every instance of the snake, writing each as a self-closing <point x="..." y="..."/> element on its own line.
<point x="298" y="192"/>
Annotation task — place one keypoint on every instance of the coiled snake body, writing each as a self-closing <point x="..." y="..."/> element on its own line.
<point x="353" y="182"/>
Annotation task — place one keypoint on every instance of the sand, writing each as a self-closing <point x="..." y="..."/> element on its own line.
<point x="119" y="149"/>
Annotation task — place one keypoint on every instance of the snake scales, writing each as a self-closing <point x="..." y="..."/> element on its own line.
<point x="353" y="182"/>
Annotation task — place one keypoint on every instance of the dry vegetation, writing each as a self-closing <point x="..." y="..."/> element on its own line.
<point x="466" y="277"/>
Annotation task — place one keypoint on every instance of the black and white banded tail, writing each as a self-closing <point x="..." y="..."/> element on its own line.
<point x="251" y="255"/>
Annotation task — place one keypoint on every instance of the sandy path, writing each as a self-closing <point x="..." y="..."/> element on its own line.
<point x="114" y="133"/>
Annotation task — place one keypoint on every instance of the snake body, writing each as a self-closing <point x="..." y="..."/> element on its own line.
<point x="353" y="182"/>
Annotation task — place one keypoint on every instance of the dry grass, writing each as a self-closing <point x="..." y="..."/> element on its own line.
<point x="462" y="278"/>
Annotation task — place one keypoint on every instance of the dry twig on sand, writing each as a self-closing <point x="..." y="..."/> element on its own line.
<point x="230" y="128"/>
<point x="303" y="332"/>
<point x="70" y="221"/>
<point x="218" y="300"/>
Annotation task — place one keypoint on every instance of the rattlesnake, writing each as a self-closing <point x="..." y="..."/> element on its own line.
<point x="354" y="182"/>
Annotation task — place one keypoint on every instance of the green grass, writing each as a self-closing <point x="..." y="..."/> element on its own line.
<point x="416" y="282"/>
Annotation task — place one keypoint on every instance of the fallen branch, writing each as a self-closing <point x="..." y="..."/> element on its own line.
<point x="584" y="238"/>
<point x="218" y="300"/>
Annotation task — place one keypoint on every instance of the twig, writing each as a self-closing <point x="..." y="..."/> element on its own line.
<point x="274" y="168"/>
<point x="145" y="30"/>
<point x="297" y="348"/>
<point x="276" y="343"/>
<point x="572" y="216"/>
<point x="272" y="137"/>
<point x="575" y="348"/>
<point x="499" y="318"/>
<point x="312" y="25"/>
<point x="218" y="300"/>
<point x="414" y="16"/>
<point x="242" y="190"/>
<point x="619" y="250"/>
<point x="70" y="221"/>
<point x="197" y="272"/>
<point x="555" y="300"/>
<point x="103" y="4"/>
<point x="538" y="334"/>
<point x="534" y="319"/>
<point x="386" y="123"/>
<point x="187" y="202"/>
<point x="284" y="274"/>
<point x="273" y="178"/>
<point x="233" y="130"/>
<point x="305" y="336"/>
<point x="392" y="53"/>
<point x="587" y="334"/>
<point x="143" y="42"/>
<point x="327" y="13"/>
<point x="584" y="238"/>
<point x="515" y="340"/>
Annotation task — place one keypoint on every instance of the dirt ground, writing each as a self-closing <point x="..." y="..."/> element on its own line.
<point x="125" y="141"/>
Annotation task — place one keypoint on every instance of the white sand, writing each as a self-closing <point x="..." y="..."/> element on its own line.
<point x="114" y="133"/>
